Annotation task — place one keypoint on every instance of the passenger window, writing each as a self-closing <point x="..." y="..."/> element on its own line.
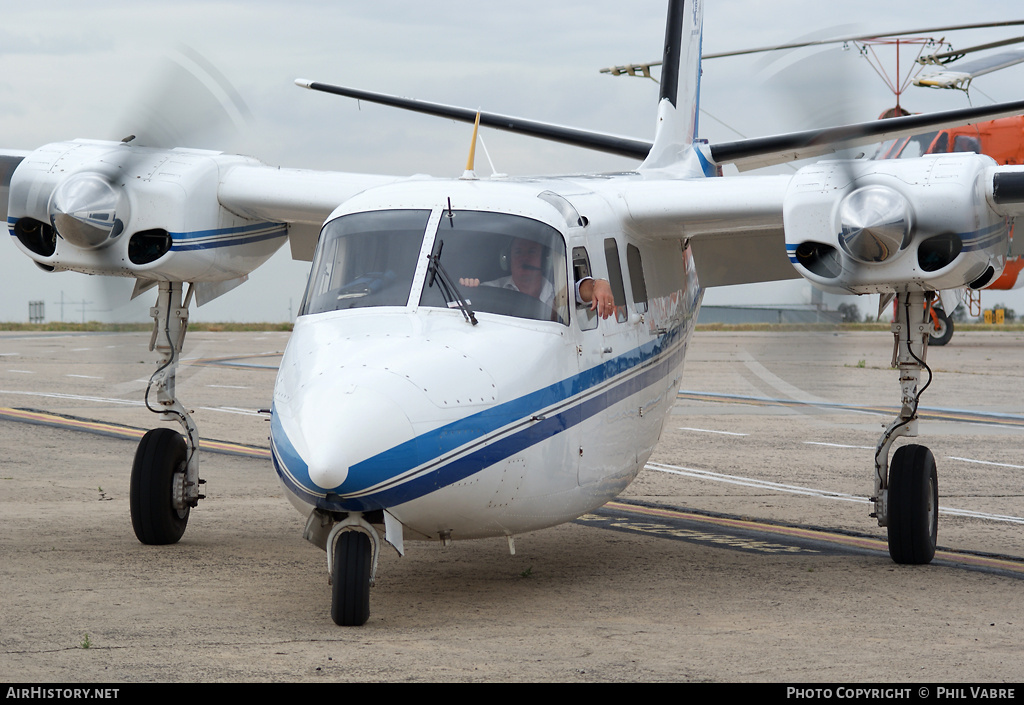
<point x="636" y="277"/>
<point x="611" y="255"/>
<point x="586" y="318"/>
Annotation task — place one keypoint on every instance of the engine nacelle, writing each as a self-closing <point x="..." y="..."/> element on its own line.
<point x="880" y="226"/>
<point x="113" y="209"/>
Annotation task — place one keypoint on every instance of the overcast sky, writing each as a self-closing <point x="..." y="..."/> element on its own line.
<point x="72" y="69"/>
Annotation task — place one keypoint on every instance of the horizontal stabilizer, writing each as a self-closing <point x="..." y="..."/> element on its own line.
<point x="599" y="141"/>
<point x="779" y="149"/>
<point x="745" y="154"/>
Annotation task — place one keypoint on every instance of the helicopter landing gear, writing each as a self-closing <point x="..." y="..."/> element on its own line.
<point x="906" y="492"/>
<point x="165" y="475"/>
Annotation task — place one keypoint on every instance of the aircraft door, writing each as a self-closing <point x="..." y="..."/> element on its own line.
<point x="610" y="356"/>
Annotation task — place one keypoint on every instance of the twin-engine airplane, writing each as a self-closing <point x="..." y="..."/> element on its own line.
<point x="409" y="406"/>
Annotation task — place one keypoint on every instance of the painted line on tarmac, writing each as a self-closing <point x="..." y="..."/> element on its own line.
<point x="936" y="414"/>
<point x="114" y="430"/>
<point x="74" y="397"/>
<point x="812" y="492"/>
<point x="751" y="482"/>
<point x="729" y="532"/>
<point x="708" y="430"/>
<point x="746" y="535"/>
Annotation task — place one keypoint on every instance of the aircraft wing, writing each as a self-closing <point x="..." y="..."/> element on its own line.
<point x="733" y="225"/>
<point x="300" y="197"/>
<point x="9" y="161"/>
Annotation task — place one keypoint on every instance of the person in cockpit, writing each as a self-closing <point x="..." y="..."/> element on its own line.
<point x="526" y="275"/>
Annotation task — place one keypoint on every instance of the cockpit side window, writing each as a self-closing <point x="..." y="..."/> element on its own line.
<point x="585" y="317"/>
<point x="502" y="263"/>
<point x="636" y="277"/>
<point x="611" y="253"/>
<point x="365" y="259"/>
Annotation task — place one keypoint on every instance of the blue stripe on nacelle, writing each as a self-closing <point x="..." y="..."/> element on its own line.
<point x="227" y="237"/>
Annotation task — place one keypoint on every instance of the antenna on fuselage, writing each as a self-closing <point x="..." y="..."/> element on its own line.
<point x="469" y="173"/>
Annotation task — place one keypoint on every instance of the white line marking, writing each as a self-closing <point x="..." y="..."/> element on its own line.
<point x="232" y="410"/>
<point x="708" y="430"/>
<point x="986" y="462"/>
<point x="22" y="372"/>
<point x="225" y="386"/>
<point x="83" y="376"/>
<point x="751" y="482"/>
<point x="796" y="489"/>
<point x="76" y="397"/>
<point x="837" y="445"/>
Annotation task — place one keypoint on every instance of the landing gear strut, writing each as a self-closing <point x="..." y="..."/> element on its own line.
<point x="907" y="492"/>
<point x="165" y="476"/>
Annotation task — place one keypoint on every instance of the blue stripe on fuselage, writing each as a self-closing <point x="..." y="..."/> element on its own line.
<point x="441" y="457"/>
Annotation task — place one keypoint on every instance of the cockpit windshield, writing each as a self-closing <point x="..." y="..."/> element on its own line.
<point x="365" y="259"/>
<point x="502" y="263"/>
<point x="480" y="261"/>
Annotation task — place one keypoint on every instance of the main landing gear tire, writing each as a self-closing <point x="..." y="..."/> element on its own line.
<point x="942" y="332"/>
<point x="161" y="453"/>
<point x="350" y="579"/>
<point x="913" y="505"/>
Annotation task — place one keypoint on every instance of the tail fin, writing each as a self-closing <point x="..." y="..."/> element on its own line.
<point x="680" y="93"/>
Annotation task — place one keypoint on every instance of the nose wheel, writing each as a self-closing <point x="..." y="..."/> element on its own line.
<point x="350" y="579"/>
<point x="353" y="548"/>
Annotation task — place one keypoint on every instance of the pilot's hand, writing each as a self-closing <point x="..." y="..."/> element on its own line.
<point x="599" y="293"/>
<point x="465" y="281"/>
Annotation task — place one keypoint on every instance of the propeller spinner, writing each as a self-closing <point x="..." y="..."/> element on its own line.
<point x="875" y="224"/>
<point x="87" y="210"/>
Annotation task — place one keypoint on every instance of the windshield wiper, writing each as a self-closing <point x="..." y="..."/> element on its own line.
<point x="447" y="286"/>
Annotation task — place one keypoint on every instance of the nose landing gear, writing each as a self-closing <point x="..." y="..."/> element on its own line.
<point x="353" y="549"/>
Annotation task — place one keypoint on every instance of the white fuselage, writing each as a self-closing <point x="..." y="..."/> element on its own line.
<point x="507" y="426"/>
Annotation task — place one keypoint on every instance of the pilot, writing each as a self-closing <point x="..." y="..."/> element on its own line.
<point x="526" y="275"/>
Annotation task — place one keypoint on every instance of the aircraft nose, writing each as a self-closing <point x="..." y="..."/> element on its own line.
<point x="345" y="424"/>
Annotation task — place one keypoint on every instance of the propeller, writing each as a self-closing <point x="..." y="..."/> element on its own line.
<point x="189" y="103"/>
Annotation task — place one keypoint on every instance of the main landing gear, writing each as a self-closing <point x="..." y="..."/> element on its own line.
<point x="906" y="494"/>
<point x="165" y="475"/>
